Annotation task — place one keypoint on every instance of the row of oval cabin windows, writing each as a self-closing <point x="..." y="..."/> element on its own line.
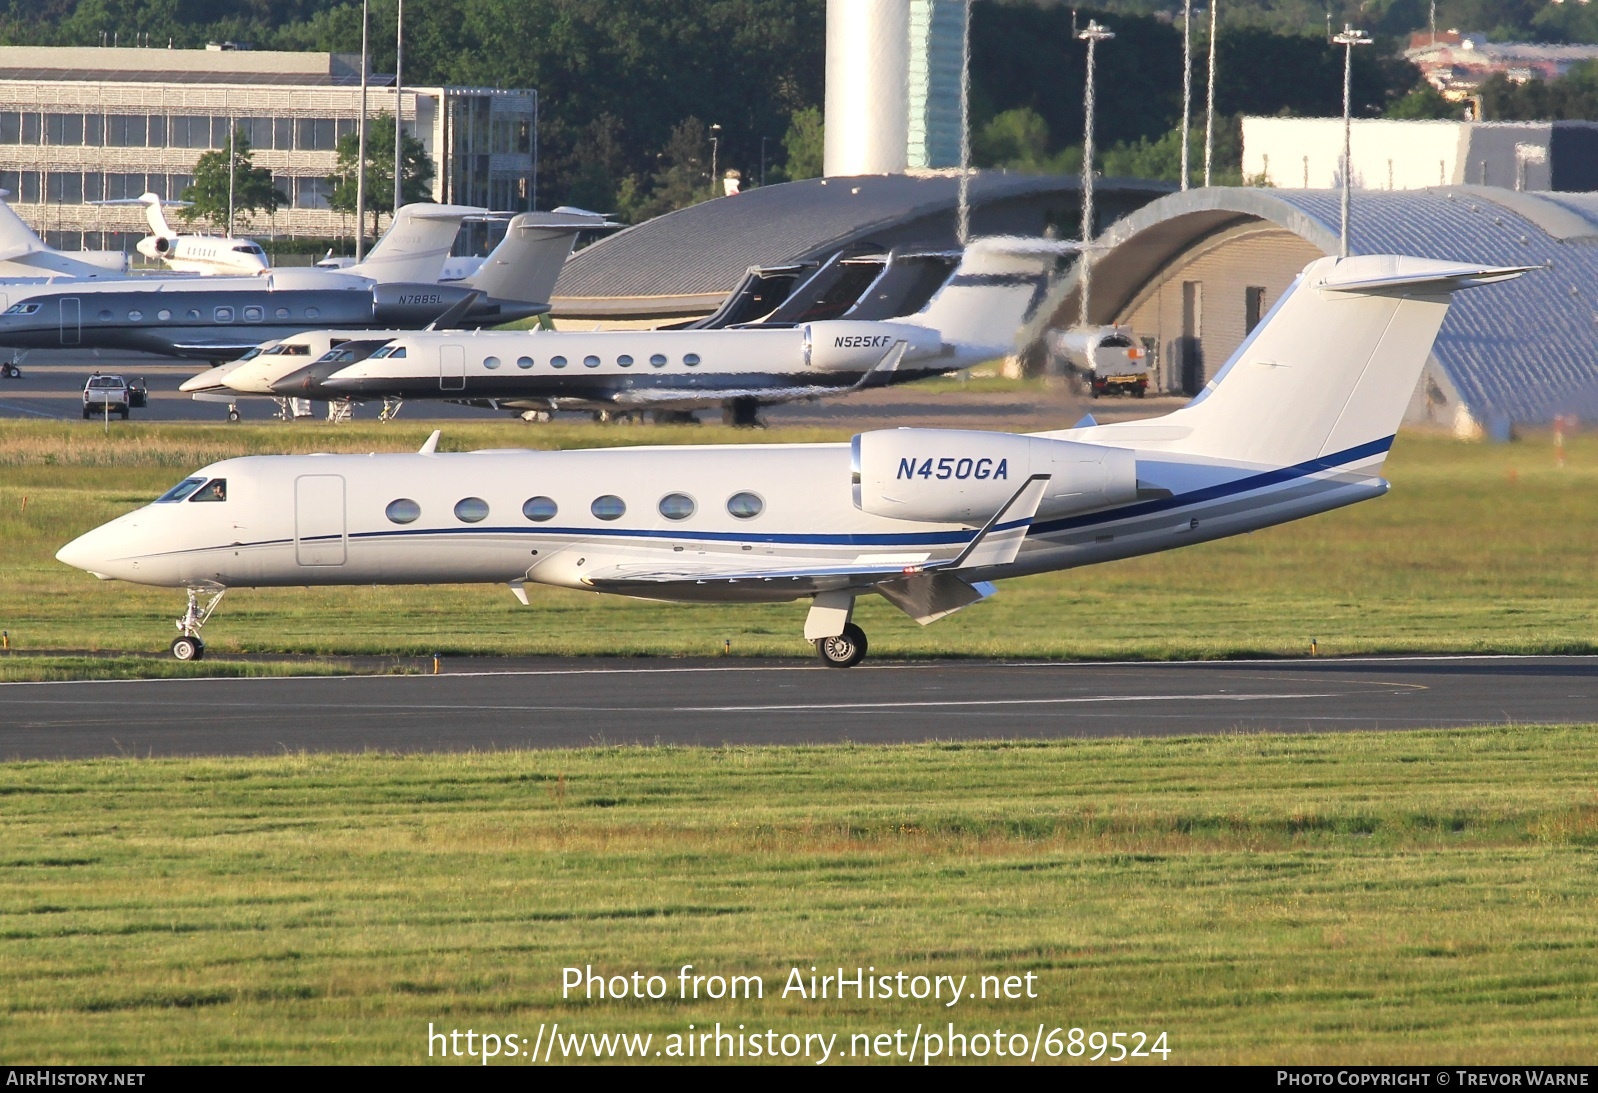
<point x="251" y="314"/>
<point x="657" y="360"/>
<point x="674" y="506"/>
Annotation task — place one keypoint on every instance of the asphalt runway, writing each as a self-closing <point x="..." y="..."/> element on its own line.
<point x="488" y="705"/>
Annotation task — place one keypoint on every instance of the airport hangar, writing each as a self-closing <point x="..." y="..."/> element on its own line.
<point x="1191" y="273"/>
<point x="684" y="266"/>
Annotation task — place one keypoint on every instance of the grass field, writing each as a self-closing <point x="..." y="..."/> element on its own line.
<point x="1478" y="548"/>
<point x="1419" y="897"/>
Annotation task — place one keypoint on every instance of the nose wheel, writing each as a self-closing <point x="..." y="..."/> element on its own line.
<point x="844" y="650"/>
<point x="187" y="648"/>
<point x="187" y="645"/>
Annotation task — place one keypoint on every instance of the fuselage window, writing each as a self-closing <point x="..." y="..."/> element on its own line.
<point x="135" y="315"/>
<point x="691" y="360"/>
<point x="608" y="507"/>
<point x="540" y="508"/>
<point x="590" y="362"/>
<point x="224" y="314"/>
<point x="745" y="505"/>
<point x="471" y="510"/>
<point x="403" y="511"/>
<point x="281" y="313"/>
<point x="625" y="361"/>
<point x="658" y="360"/>
<point x="214" y="490"/>
<point x="105" y="316"/>
<point x="253" y="314"/>
<point x="163" y="314"/>
<point x="491" y="363"/>
<point x="524" y="362"/>
<point x="677" y="506"/>
<point x="194" y="314"/>
<point x="313" y="312"/>
<point x="180" y="491"/>
<point x="557" y="362"/>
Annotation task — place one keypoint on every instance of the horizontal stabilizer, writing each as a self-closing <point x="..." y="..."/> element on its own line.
<point x="1380" y="274"/>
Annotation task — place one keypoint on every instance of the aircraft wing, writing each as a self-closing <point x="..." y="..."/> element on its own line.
<point x="926" y="590"/>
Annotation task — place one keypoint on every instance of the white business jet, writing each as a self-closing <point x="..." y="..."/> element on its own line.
<point x="972" y="319"/>
<point x="26" y="258"/>
<point x="189" y="253"/>
<point x="1298" y="422"/>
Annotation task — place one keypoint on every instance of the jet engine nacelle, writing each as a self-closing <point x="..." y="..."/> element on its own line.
<point x="961" y="476"/>
<point x="404" y="306"/>
<point x="843" y="345"/>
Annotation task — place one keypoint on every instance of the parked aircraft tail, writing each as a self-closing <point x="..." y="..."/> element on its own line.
<point x="157" y="219"/>
<point x="24" y="254"/>
<point x="524" y="266"/>
<point x="416" y="244"/>
<point x="1331" y="368"/>
<point x="992" y="292"/>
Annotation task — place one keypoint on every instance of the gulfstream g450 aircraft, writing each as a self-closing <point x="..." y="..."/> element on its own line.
<point x="1298" y="422"/>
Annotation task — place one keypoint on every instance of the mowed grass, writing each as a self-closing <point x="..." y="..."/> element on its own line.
<point x="1479" y="548"/>
<point x="1416" y="897"/>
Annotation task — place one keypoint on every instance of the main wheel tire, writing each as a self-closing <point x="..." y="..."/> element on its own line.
<point x="844" y="651"/>
<point x="187" y="648"/>
<point x="233" y="417"/>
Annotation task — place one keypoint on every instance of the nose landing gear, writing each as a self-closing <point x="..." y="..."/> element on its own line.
<point x="187" y="645"/>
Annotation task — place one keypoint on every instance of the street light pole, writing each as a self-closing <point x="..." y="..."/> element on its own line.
<point x="399" y="112"/>
<point x="715" y="141"/>
<point x="1348" y="40"/>
<point x="360" y="141"/>
<point x="962" y="202"/>
<point x="1187" y="82"/>
<point x="1093" y="34"/>
<point x="1209" y="112"/>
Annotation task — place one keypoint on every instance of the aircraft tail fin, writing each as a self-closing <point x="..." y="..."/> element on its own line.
<point x="157" y="219"/>
<point x="524" y="266"/>
<point x="416" y="244"/>
<point x="998" y="283"/>
<point x="1331" y="368"/>
<point x="16" y="238"/>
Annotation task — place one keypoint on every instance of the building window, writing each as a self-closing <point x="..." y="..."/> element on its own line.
<point x="29" y="188"/>
<point x="63" y="129"/>
<point x="10" y="127"/>
<point x="314" y="135"/>
<point x="124" y="130"/>
<point x="312" y="193"/>
<point x="1253" y="307"/>
<point x="30" y="128"/>
<point x="93" y="186"/>
<point x="283" y="134"/>
<point x="65" y="187"/>
<point x="94" y="129"/>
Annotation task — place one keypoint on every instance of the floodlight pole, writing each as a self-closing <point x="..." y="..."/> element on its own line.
<point x="232" y="171"/>
<point x="360" y="142"/>
<point x="1093" y="34"/>
<point x="962" y="204"/>
<point x="715" y="147"/>
<point x="1187" y="82"/>
<point x="1348" y="40"/>
<point x="399" y="128"/>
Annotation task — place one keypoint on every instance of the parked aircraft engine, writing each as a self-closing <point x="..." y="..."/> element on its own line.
<point x="965" y="476"/>
<point x="851" y="345"/>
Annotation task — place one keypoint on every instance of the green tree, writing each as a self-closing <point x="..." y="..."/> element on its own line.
<point x="683" y="176"/>
<point x="1425" y="103"/>
<point x="418" y="168"/>
<point x="252" y="189"/>
<point x="1017" y="138"/>
<point x="805" y="143"/>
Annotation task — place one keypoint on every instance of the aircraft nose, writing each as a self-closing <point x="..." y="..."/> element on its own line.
<point x="89" y="552"/>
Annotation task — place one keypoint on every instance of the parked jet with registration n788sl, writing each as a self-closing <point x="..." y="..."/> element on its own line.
<point x="1298" y="422"/>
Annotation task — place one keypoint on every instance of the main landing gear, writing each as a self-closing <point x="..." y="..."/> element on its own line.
<point x="187" y="645"/>
<point x="844" y="650"/>
<point x="839" y="643"/>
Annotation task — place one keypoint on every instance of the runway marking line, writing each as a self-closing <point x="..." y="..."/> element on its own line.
<point x="939" y="666"/>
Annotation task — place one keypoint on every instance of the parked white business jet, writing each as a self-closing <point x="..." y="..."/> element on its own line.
<point x="26" y="258"/>
<point x="187" y="253"/>
<point x="973" y="318"/>
<point x="1298" y="422"/>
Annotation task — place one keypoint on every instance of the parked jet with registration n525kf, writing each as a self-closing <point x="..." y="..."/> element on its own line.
<point x="1298" y="422"/>
<point x="972" y="318"/>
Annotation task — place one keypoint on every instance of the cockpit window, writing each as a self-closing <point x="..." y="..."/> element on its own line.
<point x="22" y="309"/>
<point x="214" y="490"/>
<point x="256" y="352"/>
<point x="180" y="491"/>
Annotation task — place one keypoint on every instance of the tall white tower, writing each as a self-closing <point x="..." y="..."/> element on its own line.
<point x="868" y="87"/>
<point x="893" y="85"/>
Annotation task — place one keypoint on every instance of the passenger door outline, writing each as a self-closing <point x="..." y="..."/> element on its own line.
<point x="320" y="535"/>
<point x="452" y="368"/>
